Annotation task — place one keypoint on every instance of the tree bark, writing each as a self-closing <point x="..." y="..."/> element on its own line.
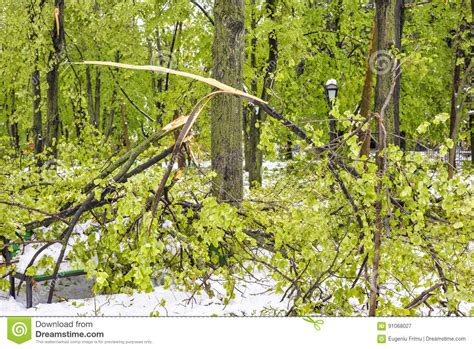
<point x="226" y="111"/>
<point x="388" y="38"/>
<point x="52" y="104"/>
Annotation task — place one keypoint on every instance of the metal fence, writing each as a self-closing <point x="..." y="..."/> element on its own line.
<point x="463" y="156"/>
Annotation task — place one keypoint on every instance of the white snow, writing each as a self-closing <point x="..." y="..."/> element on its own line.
<point x="167" y="224"/>
<point x="73" y="296"/>
<point x="53" y="250"/>
<point x="251" y="300"/>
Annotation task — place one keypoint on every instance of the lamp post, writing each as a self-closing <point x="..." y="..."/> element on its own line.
<point x="331" y="93"/>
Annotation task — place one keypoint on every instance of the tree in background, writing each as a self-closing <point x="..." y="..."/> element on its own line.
<point x="226" y="114"/>
<point x="52" y="77"/>
<point x="255" y="160"/>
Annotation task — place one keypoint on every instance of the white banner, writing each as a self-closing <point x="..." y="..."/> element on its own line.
<point x="235" y="332"/>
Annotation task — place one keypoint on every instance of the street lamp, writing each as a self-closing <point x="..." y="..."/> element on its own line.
<point x="331" y="93"/>
<point x="331" y="89"/>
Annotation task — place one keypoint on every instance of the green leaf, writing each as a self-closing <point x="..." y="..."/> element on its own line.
<point x="423" y="127"/>
<point x="441" y="118"/>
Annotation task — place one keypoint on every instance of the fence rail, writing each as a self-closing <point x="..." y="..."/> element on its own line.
<point x="462" y="157"/>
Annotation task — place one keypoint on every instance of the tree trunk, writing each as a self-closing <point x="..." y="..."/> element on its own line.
<point x="113" y="109"/>
<point x="110" y="119"/>
<point x="181" y="157"/>
<point x="250" y="108"/>
<point x="90" y="98"/>
<point x="226" y="111"/>
<point x="126" y="138"/>
<point x="247" y="111"/>
<point x="364" y="137"/>
<point x="396" y="92"/>
<point x="97" y="97"/>
<point x="158" y="82"/>
<point x="388" y="38"/>
<point x="13" y="129"/>
<point x="257" y="119"/>
<point x="454" y="119"/>
<point x="471" y="126"/>
<point x="379" y="216"/>
<point x="457" y="89"/>
<point x="52" y="104"/>
<point x="37" y="115"/>
<point x="37" y="129"/>
<point x="79" y="116"/>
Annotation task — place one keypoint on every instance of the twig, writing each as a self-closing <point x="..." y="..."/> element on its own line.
<point x="32" y="209"/>
<point x="205" y="13"/>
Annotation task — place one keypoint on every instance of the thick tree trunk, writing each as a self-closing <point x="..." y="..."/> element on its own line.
<point x="388" y="38"/>
<point x="226" y="113"/>
<point x="52" y="104"/>
<point x="256" y="155"/>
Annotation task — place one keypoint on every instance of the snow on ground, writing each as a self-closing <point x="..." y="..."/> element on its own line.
<point x="73" y="297"/>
